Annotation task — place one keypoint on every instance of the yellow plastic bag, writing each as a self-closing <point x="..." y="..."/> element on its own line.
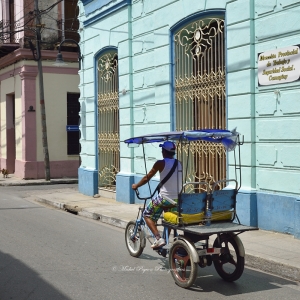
<point x="172" y="217"/>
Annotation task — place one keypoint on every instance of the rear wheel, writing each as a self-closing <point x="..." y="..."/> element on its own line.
<point x="229" y="264"/>
<point x="183" y="268"/>
<point x="133" y="243"/>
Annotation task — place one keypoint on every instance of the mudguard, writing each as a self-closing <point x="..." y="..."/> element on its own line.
<point x="239" y="244"/>
<point x="190" y="244"/>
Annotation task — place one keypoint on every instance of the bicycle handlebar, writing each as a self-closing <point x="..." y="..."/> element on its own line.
<point x="146" y="198"/>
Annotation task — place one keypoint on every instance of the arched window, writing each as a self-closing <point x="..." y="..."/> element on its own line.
<point x="108" y="120"/>
<point x="200" y="101"/>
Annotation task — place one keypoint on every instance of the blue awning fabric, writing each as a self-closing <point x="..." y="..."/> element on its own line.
<point x="226" y="137"/>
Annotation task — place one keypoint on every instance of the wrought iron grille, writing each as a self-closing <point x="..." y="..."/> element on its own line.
<point x="108" y="120"/>
<point x="200" y="95"/>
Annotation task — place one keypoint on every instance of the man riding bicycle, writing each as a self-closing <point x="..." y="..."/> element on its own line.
<point x="164" y="201"/>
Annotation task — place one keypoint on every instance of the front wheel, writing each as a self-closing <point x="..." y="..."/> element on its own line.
<point x="183" y="268"/>
<point x="229" y="264"/>
<point x="133" y="243"/>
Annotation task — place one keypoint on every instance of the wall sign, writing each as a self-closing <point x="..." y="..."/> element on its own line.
<point x="279" y="66"/>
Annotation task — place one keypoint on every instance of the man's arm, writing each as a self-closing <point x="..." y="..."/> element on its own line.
<point x="158" y="166"/>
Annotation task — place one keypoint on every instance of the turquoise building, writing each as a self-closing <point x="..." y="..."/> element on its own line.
<point x="161" y="65"/>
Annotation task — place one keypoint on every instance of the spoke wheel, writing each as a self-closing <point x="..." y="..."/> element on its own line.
<point x="229" y="265"/>
<point x="133" y="244"/>
<point x="183" y="268"/>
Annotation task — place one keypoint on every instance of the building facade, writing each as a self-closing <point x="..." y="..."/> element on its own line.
<point x="154" y="66"/>
<point x="21" y="139"/>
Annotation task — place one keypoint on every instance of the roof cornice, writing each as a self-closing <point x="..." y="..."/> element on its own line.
<point x="26" y="54"/>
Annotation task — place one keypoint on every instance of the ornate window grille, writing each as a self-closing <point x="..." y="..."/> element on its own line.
<point x="108" y="120"/>
<point x="200" y="94"/>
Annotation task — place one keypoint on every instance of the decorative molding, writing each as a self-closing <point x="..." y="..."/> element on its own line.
<point x="28" y="75"/>
<point x="92" y="7"/>
<point x="26" y="54"/>
<point x="98" y="3"/>
<point x="85" y="2"/>
<point x="28" y="72"/>
<point x="61" y="70"/>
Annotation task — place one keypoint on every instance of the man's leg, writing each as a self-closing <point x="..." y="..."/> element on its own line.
<point x="151" y="214"/>
<point x="151" y="224"/>
<point x="159" y="241"/>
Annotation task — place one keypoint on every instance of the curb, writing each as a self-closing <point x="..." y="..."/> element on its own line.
<point x="58" y="205"/>
<point x="87" y="214"/>
<point x="52" y="181"/>
<point x="272" y="267"/>
<point x="266" y="265"/>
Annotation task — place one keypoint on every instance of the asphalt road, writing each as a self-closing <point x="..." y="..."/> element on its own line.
<point x="51" y="254"/>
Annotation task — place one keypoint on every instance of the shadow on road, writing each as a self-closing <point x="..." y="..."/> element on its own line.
<point x="19" y="281"/>
<point x="208" y="281"/>
<point x="251" y="281"/>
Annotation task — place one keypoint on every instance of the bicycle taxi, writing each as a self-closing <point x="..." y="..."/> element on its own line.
<point x="202" y="211"/>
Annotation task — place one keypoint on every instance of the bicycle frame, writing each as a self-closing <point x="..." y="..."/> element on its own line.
<point x="141" y="223"/>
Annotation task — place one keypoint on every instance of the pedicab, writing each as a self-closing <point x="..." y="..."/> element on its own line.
<point x="200" y="214"/>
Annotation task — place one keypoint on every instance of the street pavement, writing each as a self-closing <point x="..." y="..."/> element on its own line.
<point x="271" y="252"/>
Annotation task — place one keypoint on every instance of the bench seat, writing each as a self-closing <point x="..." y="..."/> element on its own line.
<point x="192" y="207"/>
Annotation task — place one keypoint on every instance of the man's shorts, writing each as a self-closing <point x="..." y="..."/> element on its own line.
<point x="155" y="208"/>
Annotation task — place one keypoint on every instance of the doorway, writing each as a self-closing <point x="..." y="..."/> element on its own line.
<point x="10" y="134"/>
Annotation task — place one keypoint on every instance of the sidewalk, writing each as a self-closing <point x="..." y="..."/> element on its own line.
<point x="275" y="253"/>
<point x="14" y="181"/>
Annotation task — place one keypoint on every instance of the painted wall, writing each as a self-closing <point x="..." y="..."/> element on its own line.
<point x="57" y="83"/>
<point x="96" y="37"/>
<point x="268" y="117"/>
<point x="55" y="90"/>
<point x="277" y="117"/>
<point x="144" y="72"/>
<point x="18" y="118"/>
<point x="278" y="106"/>
<point x="7" y="87"/>
<point x="22" y="80"/>
<point x="21" y="143"/>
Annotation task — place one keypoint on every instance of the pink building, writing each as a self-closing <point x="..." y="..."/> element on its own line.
<point x="21" y="145"/>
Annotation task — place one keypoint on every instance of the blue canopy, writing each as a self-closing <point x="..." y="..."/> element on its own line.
<point x="226" y="137"/>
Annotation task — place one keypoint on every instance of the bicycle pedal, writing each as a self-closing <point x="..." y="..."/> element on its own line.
<point x="135" y="239"/>
<point x="163" y="252"/>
